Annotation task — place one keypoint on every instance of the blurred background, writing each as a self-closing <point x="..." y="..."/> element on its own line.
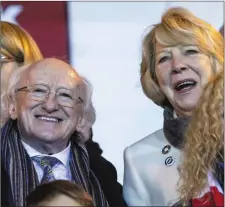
<point x="102" y="40"/>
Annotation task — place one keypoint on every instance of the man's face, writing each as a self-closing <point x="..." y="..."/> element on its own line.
<point x="47" y="121"/>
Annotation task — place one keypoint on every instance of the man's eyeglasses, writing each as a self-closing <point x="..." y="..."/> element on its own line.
<point x="41" y="93"/>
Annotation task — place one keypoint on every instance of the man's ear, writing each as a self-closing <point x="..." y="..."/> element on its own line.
<point x="83" y="128"/>
<point x="80" y="124"/>
<point x="12" y="109"/>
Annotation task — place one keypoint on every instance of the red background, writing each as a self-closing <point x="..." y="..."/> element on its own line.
<point x="47" y="24"/>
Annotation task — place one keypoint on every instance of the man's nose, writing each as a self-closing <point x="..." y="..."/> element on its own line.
<point x="51" y="104"/>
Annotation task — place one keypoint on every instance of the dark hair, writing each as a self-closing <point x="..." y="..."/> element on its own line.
<point x="93" y="147"/>
<point x="49" y="190"/>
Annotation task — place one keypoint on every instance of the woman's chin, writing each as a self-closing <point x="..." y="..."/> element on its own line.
<point x="185" y="108"/>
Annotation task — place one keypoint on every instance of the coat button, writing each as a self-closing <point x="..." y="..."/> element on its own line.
<point x="169" y="161"/>
<point x="166" y="149"/>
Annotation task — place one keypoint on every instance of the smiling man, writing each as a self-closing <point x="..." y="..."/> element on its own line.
<point x="47" y="103"/>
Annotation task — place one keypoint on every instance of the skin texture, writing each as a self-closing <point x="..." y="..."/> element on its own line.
<point x="178" y="63"/>
<point x="60" y="200"/>
<point x="44" y="136"/>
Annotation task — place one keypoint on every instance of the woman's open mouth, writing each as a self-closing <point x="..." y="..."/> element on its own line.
<point x="185" y="85"/>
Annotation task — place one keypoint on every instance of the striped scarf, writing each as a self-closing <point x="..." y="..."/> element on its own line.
<point x="22" y="174"/>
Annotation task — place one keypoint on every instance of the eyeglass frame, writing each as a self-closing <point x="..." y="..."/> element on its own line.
<point x="26" y="89"/>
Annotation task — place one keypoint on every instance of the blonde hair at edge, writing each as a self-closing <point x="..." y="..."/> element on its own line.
<point x="17" y="44"/>
<point x="178" y="26"/>
<point x="204" y="140"/>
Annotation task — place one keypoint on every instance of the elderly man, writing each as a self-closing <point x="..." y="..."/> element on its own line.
<point x="47" y="103"/>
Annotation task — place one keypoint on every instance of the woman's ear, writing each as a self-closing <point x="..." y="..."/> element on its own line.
<point x="12" y="108"/>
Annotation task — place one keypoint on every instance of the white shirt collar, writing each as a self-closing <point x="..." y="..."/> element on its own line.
<point x="174" y="115"/>
<point x="63" y="156"/>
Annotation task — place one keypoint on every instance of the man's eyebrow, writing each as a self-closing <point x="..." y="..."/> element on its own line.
<point x="36" y="83"/>
<point x="57" y="88"/>
<point x="67" y="88"/>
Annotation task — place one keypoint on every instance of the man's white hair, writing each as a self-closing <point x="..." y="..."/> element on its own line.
<point x="9" y="93"/>
<point x="88" y="114"/>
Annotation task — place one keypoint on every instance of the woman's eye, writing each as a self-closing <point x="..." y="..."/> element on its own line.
<point x="163" y="59"/>
<point x="190" y="52"/>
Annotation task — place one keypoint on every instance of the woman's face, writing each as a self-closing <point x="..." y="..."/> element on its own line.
<point x="182" y="72"/>
<point x="7" y="69"/>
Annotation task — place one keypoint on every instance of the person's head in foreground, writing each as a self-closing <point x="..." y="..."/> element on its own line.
<point x="179" y="57"/>
<point x="49" y="102"/>
<point x="203" y="151"/>
<point x="17" y="48"/>
<point x="59" y="193"/>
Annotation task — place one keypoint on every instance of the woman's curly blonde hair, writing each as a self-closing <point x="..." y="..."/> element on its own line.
<point x="204" y="141"/>
<point x="178" y="26"/>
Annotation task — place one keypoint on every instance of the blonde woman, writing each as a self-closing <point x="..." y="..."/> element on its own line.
<point x="17" y="48"/>
<point x="202" y="168"/>
<point x="180" y="55"/>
